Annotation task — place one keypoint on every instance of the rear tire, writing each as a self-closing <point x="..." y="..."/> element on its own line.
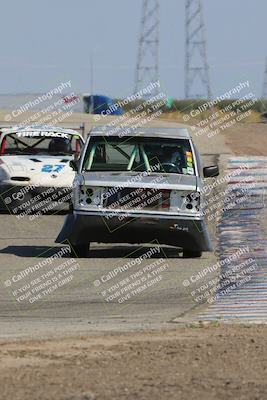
<point x="191" y="254"/>
<point x="80" y="250"/>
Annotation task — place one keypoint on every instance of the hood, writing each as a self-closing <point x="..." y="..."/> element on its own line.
<point x="139" y="180"/>
<point x="36" y="170"/>
<point x="33" y="164"/>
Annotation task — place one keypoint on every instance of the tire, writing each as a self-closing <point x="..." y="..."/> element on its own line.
<point x="80" y="250"/>
<point x="191" y="254"/>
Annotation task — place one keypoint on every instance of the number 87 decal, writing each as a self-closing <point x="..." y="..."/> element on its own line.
<point x="52" y="168"/>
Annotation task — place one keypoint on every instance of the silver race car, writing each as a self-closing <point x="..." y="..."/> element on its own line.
<point x="138" y="186"/>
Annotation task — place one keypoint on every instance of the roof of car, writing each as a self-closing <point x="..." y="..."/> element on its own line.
<point x="38" y="128"/>
<point x="179" y="132"/>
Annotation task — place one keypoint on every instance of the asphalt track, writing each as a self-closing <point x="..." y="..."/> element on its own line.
<point x="80" y="304"/>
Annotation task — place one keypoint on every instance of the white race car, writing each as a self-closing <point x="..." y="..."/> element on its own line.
<point x="35" y="175"/>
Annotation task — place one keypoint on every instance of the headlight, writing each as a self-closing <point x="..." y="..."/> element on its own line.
<point x="192" y="201"/>
<point x="89" y="196"/>
<point x="85" y="195"/>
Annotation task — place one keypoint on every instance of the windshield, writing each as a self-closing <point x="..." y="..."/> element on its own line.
<point x="139" y="154"/>
<point x="42" y="145"/>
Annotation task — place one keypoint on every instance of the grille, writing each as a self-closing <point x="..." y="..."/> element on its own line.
<point x="136" y="198"/>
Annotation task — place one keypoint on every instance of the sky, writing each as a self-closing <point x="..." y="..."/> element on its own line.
<point x="45" y="42"/>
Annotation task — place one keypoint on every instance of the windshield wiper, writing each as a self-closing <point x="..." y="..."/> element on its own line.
<point x="14" y="152"/>
<point x="59" y="154"/>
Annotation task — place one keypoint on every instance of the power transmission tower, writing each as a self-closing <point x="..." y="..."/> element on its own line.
<point x="197" y="83"/>
<point x="147" y="68"/>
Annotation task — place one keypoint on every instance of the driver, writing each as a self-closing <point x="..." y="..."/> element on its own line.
<point x="172" y="156"/>
<point x="59" y="145"/>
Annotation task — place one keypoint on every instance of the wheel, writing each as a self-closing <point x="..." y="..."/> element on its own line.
<point x="191" y="254"/>
<point x="80" y="250"/>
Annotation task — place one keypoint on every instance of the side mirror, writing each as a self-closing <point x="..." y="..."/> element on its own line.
<point x="210" y="172"/>
<point x="74" y="164"/>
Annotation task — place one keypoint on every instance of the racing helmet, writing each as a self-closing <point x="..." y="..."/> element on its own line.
<point x="59" y="145"/>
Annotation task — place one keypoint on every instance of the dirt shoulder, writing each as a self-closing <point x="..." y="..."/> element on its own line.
<point x="205" y="362"/>
<point x="247" y="139"/>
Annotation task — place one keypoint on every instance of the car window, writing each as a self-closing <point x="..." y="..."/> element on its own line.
<point x="139" y="154"/>
<point x="26" y="145"/>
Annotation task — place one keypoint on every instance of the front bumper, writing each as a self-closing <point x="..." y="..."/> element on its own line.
<point x="189" y="233"/>
<point x="21" y="197"/>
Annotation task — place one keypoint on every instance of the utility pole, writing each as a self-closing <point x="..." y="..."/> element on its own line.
<point x="92" y="107"/>
<point x="264" y="92"/>
<point x="197" y="82"/>
<point x="147" y="68"/>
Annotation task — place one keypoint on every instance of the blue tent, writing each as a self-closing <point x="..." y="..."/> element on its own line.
<point x="99" y="104"/>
